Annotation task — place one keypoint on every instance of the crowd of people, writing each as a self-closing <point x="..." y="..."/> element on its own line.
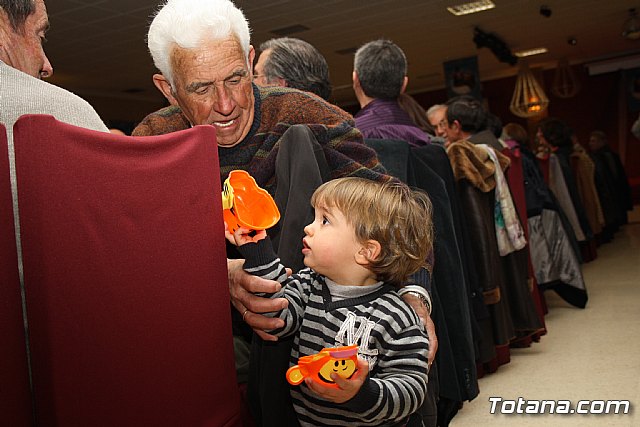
<point x="434" y="283"/>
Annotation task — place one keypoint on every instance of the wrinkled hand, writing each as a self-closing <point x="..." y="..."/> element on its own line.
<point x="242" y="285"/>
<point x="433" y="340"/>
<point x="347" y="388"/>
<point x="242" y="235"/>
<point x="429" y="326"/>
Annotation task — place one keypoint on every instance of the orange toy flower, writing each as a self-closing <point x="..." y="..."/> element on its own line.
<point x="246" y="205"/>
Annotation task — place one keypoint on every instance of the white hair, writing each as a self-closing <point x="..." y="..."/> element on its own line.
<point x="189" y="23"/>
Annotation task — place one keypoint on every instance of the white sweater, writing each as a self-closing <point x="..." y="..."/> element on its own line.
<point x="22" y="94"/>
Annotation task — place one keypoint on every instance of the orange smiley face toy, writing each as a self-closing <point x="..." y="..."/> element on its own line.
<point x="340" y="360"/>
<point x="244" y="204"/>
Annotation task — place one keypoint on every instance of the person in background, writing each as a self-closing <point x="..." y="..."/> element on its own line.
<point x="354" y="267"/>
<point x="379" y="77"/>
<point x="291" y="62"/>
<point x="290" y="141"/>
<point x="437" y="117"/>
<point x="466" y="117"/>
<point x="23" y="65"/>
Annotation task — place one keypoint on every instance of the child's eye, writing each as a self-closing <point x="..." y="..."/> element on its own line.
<point x="325" y="220"/>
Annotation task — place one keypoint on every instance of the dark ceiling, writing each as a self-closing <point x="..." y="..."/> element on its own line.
<point x="98" y="47"/>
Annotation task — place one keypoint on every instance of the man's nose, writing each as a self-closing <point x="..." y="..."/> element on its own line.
<point x="47" y="69"/>
<point x="224" y="102"/>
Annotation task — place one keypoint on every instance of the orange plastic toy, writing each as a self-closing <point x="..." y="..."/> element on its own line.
<point x="341" y="360"/>
<point x="246" y="205"/>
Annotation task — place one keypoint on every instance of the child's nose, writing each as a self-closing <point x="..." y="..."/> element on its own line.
<point x="308" y="229"/>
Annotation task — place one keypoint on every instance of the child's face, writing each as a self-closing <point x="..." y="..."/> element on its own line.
<point x="330" y="244"/>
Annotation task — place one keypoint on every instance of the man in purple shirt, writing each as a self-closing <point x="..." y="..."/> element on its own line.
<point x="379" y="77"/>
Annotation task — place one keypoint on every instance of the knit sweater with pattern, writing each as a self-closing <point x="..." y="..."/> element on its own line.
<point x="388" y="332"/>
<point x="275" y="110"/>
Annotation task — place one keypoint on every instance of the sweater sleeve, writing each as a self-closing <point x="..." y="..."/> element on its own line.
<point x="262" y="261"/>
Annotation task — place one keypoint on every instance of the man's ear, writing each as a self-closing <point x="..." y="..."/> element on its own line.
<point x="369" y="251"/>
<point x="405" y="82"/>
<point x="355" y="79"/>
<point x="164" y="86"/>
<point x="252" y="56"/>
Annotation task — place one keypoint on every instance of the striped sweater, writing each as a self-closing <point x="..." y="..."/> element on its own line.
<point x="388" y="332"/>
<point x="275" y="110"/>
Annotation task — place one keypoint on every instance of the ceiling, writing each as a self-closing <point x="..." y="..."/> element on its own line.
<point x="98" y="47"/>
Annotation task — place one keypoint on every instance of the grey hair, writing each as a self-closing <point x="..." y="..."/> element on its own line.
<point x="381" y="67"/>
<point x="189" y="23"/>
<point x="298" y="63"/>
<point x="18" y="11"/>
<point x="436" y="107"/>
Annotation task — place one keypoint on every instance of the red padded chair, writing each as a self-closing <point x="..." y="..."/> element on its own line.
<point x="125" y="275"/>
<point x="15" y="400"/>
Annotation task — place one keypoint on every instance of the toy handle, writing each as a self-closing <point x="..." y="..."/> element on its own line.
<point x="294" y="375"/>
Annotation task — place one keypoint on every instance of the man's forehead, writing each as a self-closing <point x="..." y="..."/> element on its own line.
<point x="216" y="58"/>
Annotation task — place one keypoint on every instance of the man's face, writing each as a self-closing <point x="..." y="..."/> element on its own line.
<point x="212" y="85"/>
<point x="23" y="49"/>
<point x="453" y="131"/>
<point x="258" y="70"/>
<point x="438" y="119"/>
<point x="540" y="139"/>
<point x="595" y="143"/>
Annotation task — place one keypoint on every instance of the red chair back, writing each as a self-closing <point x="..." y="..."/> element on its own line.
<point x="125" y="271"/>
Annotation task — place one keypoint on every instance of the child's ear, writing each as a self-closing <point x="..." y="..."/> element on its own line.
<point x="369" y="251"/>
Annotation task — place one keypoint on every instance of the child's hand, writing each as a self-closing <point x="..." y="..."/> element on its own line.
<point x="347" y="388"/>
<point x="243" y="235"/>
